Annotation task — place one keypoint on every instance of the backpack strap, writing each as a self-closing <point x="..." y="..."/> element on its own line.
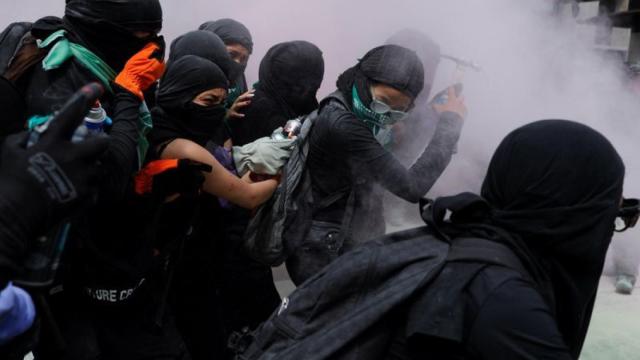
<point x="485" y="251"/>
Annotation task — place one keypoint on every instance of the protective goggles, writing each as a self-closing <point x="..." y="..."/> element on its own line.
<point x="628" y="214"/>
<point x="381" y="108"/>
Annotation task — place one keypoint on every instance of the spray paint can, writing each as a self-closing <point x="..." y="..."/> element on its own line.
<point x="95" y="119"/>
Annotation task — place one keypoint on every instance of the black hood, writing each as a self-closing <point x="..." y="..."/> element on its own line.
<point x="291" y="73"/>
<point x="183" y="80"/>
<point x="427" y="50"/>
<point x="205" y="45"/>
<point x="230" y="31"/>
<point x="106" y="26"/>
<point x="391" y="65"/>
<point x="554" y="188"/>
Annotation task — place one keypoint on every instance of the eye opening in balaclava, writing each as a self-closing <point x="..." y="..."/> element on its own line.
<point x="557" y="184"/>
<point x="230" y="31"/>
<point x="107" y="27"/>
<point x="176" y="115"/>
<point x="292" y="72"/>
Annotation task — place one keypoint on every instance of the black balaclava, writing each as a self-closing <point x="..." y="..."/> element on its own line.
<point x="106" y="26"/>
<point x="427" y="50"/>
<point x="230" y="31"/>
<point x="206" y="45"/>
<point x="391" y="65"/>
<point x="291" y="73"/>
<point x="555" y="186"/>
<point x="176" y="116"/>
<point x="12" y="108"/>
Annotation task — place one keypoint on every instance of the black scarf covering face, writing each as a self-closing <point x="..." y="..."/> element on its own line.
<point x="291" y="73"/>
<point x="427" y="50"/>
<point x="551" y="194"/>
<point x="391" y="65"/>
<point x="176" y="116"/>
<point x="106" y="26"/>
<point x="206" y="45"/>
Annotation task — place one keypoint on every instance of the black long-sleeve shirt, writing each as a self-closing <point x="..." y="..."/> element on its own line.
<point x="344" y="156"/>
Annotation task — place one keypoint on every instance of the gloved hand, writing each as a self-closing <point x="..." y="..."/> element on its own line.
<point x="264" y="156"/>
<point x="163" y="178"/>
<point x="143" y="69"/>
<point x="45" y="183"/>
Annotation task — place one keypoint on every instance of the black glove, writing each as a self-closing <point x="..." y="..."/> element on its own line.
<point x="45" y="183"/>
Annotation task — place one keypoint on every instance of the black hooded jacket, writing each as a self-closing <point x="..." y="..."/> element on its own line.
<point x="551" y="195"/>
<point x="290" y="75"/>
<point x="344" y="156"/>
<point x="232" y="32"/>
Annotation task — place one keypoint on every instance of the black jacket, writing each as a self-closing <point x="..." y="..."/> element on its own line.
<point x="344" y="156"/>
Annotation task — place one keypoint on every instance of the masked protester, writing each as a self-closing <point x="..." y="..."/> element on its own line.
<point x="92" y="42"/>
<point x="348" y="154"/>
<point x="551" y="204"/>
<point x="205" y="45"/>
<point x="190" y="107"/>
<point x="290" y="75"/>
<point x="239" y="43"/>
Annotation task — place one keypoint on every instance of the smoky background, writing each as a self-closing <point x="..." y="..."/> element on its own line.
<point x="534" y="65"/>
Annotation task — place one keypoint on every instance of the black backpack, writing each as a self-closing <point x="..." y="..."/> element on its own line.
<point x="347" y="310"/>
<point x="281" y="223"/>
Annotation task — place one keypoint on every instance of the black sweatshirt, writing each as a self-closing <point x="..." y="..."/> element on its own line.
<point x="344" y="152"/>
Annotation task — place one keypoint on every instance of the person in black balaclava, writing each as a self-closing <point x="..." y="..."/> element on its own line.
<point x="114" y="30"/>
<point x="180" y="122"/>
<point x="205" y="45"/>
<point x="239" y="43"/>
<point x="550" y="197"/>
<point x="290" y="75"/>
<point x="348" y="154"/>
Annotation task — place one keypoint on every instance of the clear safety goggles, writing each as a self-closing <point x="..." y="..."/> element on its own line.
<point x="628" y="214"/>
<point x="381" y="108"/>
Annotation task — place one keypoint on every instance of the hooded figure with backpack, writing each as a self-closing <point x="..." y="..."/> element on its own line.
<point x="348" y="157"/>
<point x="511" y="275"/>
<point x="289" y="78"/>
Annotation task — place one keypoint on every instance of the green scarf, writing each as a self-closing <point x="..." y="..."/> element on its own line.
<point x="63" y="50"/>
<point x="378" y="123"/>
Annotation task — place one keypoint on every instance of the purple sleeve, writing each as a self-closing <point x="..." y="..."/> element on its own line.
<point x="17" y="313"/>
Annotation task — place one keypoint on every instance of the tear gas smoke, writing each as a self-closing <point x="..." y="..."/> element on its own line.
<point x="534" y="65"/>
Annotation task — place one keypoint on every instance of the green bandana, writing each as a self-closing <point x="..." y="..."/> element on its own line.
<point x="378" y="123"/>
<point x="63" y="50"/>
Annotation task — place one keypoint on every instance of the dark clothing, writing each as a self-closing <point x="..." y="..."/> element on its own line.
<point x="344" y="156"/>
<point x="106" y="27"/>
<point x="496" y="313"/>
<point x="562" y="204"/>
<point x="230" y="31"/>
<point x="176" y="115"/>
<point x="290" y="75"/>
<point x="262" y="117"/>
<point x="206" y="45"/>
<point x="552" y="202"/>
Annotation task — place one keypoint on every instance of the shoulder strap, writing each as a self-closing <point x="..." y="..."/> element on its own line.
<point x="485" y="251"/>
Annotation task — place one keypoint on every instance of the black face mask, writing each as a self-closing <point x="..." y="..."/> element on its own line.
<point x="202" y="121"/>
